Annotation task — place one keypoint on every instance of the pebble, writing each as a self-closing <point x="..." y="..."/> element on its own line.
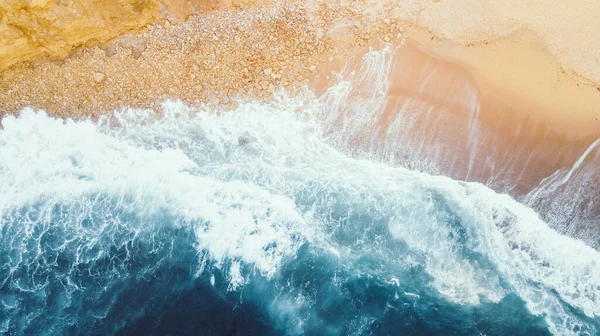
<point x="99" y="77"/>
<point x="183" y="60"/>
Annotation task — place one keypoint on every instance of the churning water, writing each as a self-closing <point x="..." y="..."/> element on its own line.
<point x="264" y="221"/>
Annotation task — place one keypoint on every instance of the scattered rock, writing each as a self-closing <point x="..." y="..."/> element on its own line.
<point x="99" y="77"/>
<point x="209" y="58"/>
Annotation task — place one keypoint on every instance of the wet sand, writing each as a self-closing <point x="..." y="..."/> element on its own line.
<point x="520" y="70"/>
<point x="454" y="124"/>
<point x="533" y="89"/>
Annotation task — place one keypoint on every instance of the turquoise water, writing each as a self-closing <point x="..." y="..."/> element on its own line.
<point x="262" y="221"/>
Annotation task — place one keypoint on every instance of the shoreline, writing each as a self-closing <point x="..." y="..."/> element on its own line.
<point x="518" y="68"/>
<point x="217" y="56"/>
<point x="528" y="78"/>
<point x="474" y="134"/>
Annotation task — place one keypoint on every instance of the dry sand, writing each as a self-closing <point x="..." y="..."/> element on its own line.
<point x="541" y="56"/>
<point x="209" y="58"/>
<point x="532" y="67"/>
<point x="35" y="30"/>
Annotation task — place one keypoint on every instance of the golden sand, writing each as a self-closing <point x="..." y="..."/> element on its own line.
<point x="519" y="69"/>
<point x="209" y="58"/>
<point x="34" y="30"/>
<point x="450" y="113"/>
<point x="533" y="69"/>
<point x="542" y="57"/>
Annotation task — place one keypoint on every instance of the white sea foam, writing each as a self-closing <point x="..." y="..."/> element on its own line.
<point x="568" y="199"/>
<point x="256" y="183"/>
<point x="48" y="159"/>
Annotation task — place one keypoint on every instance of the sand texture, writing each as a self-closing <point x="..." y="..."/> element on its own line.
<point x="540" y="58"/>
<point x="52" y="29"/>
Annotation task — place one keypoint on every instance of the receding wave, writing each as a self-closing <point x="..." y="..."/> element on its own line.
<point x="266" y="220"/>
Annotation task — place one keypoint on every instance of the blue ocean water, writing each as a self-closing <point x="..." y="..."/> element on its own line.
<point x="259" y="221"/>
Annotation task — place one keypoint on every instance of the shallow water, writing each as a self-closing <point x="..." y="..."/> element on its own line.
<point x="265" y="220"/>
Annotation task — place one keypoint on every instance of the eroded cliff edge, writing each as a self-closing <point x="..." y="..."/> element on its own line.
<point x="33" y="30"/>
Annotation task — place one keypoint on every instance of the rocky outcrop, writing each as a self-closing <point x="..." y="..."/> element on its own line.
<point x="31" y="30"/>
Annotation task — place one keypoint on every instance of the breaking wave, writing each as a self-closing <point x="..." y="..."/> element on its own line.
<point x="263" y="221"/>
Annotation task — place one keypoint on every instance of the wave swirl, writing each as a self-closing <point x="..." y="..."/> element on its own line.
<point x="265" y="221"/>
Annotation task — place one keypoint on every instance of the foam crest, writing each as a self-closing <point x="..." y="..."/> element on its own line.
<point x="498" y="245"/>
<point x="73" y="196"/>
<point x="250" y="194"/>
<point x="568" y="198"/>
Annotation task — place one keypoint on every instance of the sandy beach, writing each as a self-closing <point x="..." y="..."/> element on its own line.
<point x="541" y="56"/>
<point x="304" y="167"/>
<point x="532" y="70"/>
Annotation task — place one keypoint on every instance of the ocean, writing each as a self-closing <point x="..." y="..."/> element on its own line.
<point x="267" y="220"/>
